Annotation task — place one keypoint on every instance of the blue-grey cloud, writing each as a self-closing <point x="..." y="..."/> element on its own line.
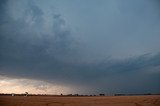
<point x="36" y="42"/>
<point x="26" y="45"/>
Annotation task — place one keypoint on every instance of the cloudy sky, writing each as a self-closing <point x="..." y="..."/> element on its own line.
<point x="79" y="46"/>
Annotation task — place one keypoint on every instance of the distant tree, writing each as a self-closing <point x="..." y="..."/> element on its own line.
<point x="101" y="94"/>
<point x="76" y="95"/>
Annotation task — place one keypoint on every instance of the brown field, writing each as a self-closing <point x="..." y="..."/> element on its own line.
<point x="152" y="100"/>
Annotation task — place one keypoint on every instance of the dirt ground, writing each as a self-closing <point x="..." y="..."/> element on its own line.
<point x="80" y="101"/>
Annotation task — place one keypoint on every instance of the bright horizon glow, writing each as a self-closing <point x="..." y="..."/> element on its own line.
<point x="21" y="85"/>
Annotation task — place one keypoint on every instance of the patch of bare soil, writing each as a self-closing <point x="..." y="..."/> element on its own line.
<point x="152" y="100"/>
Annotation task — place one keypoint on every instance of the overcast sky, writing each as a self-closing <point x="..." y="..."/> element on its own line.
<point x="80" y="46"/>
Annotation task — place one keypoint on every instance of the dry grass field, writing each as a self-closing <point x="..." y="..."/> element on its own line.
<point x="80" y="101"/>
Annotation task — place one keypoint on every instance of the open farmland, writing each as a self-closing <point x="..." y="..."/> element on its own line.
<point x="152" y="100"/>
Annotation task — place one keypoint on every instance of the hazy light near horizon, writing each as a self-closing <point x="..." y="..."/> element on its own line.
<point x="21" y="85"/>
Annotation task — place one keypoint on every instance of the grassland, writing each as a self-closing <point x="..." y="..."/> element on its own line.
<point x="152" y="100"/>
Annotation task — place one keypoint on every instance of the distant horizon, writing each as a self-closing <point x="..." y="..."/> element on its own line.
<point x="100" y="94"/>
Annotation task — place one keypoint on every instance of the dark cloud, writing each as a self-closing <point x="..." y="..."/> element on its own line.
<point x="25" y="45"/>
<point x="39" y="46"/>
<point x="3" y="2"/>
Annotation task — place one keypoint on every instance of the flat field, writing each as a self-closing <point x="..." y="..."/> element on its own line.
<point x="152" y="100"/>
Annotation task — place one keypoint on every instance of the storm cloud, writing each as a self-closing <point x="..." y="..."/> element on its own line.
<point x="113" y="48"/>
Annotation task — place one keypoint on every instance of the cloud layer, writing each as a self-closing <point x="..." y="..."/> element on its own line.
<point x="38" y="42"/>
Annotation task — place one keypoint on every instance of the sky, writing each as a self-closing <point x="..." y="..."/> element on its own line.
<point x="79" y="46"/>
